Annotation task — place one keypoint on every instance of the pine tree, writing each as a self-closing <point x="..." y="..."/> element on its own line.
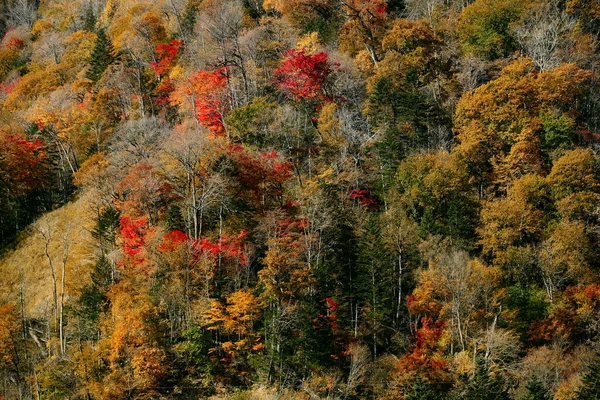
<point x="103" y="55"/>
<point x="483" y="386"/>
<point x="89" y="21"/>
<point x="590" y="386"/>
<point x="536" y="390"/>
<point x="421" y="390"/>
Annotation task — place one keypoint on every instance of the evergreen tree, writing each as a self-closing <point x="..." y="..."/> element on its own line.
<point x="590" y="386"/>
<point x="103" y="55"/>
<point x="89" y="20"/>
<point x="421" y="390"/>
<point x="536" y="390"/>
<point x="483" y="386"/>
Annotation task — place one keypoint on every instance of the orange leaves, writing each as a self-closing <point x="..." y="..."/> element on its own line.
<point x="9" y="326"/>
<point x="427" y="355"/>
<point x="571" y="316"/>
<point x="237" y="316"/>
<point x="205" y="93"/>
<point x="286" y="277"/>
<point x="414" y="43"/>
<point x="574" y="173"/>
<point x="235" y="320"/>
<point x="499" y="126"/>
<point x="364" y="25"/>
<point x="143" y="192"/>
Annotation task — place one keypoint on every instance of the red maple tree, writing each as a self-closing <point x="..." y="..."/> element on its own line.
<point x="302" y="76"/>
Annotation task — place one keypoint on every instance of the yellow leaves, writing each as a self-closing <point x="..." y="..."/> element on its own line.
<point x="500" y="131"/>
<point x="508" y="222"/>
<point x="237" y="317"/>
<point x="309" y="42"/>
<point x="90" y="171"/>
<point x="31" y="86"/>
<point x="176" y="73"/>
<point x="413" y="39"/>
<point x="564" y="255"/>
<point x="574" y="173"/>
<point x="285" y="275"/>
<point x="329" y="125"/>
<point x="41" y="26"/>
<point x="276" y="5"/>
<point x="78" y="49"/>
<point x="138" y="26"/>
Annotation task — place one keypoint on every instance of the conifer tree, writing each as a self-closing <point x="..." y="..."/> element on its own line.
<point x="590" y="385"/>
<point x="421" y="390"/>
<point x="103" y="55"/>
<point x="483" y="386"/>
<point x="536" y="390"/>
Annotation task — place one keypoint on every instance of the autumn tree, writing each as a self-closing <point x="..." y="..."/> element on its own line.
<point x="502" y="140"/>
<point x="205" y="95"/>
<point x="484" y="27"/>
<point x="302" y="76"/>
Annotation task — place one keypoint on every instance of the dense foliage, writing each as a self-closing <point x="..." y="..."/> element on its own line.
<point x="301" y="199"/>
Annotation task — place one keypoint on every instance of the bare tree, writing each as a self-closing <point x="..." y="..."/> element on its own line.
<point x="542" y="34"/>
<point x="359" y="362"/>
<point x="47" y="233"/>
<point x="65" y="257"/>
<point x="21" y="13"/>
<point x="223" y="22"/>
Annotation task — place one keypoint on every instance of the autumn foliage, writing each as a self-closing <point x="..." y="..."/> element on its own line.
<point x="293" y="199"/>
<point x="303" y="76"/>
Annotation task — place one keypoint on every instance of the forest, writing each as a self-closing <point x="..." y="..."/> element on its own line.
<point x="300" y="199"/>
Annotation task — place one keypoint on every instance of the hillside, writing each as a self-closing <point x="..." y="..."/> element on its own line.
<point x="299" y="199"/>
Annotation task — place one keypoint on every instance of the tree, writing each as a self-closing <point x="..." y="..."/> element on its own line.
<point x="484" y="27"/>
<point x="420" y="390"/>
<point x="205" y="94"/>
<point x="590" y="384"/>
<point x="303" y="76"/>
<point x="102" y="56"/>
<point x="483" y="385"/>
<point x="536" y="390"/>
<point x="499" y="137"/>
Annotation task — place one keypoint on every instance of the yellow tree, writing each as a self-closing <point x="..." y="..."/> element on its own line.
<point x="235" y="321"/>
<point x="502" y="129"/>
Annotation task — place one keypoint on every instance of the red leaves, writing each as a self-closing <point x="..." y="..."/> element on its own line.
<point x="576" y="308"/>
<point x="427" y="355"/>
<point x="15" y="44"/>
<point x="206" y="93"/>
<point x="7" y="88"/>
<point x="172" y="240"/>
<point x="167" y="56"/>
<point x="134" y="233"/>
<point x="302" y="76"/>
<point x="332" y="307"/>
<point x="229" y="247"/>
<point x="259" y="174"/>
<point x="143" y="192"/>
<point x="21" y="163"/>
<point x="363" y="197"/>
